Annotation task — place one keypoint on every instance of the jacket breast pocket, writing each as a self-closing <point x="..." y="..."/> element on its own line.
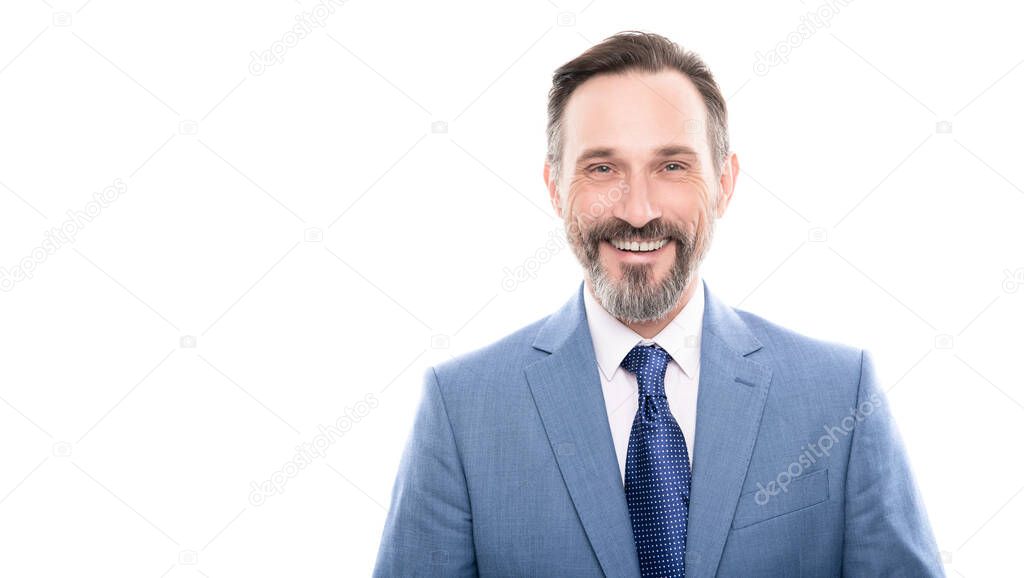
<point x="772" y="500"/>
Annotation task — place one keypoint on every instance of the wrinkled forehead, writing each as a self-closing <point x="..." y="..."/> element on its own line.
<point x="634" y="112"/>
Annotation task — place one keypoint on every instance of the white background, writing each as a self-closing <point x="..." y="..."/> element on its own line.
<point x="129" y="448"/>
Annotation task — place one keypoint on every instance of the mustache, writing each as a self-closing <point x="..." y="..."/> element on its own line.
<point x="616" y="228"/>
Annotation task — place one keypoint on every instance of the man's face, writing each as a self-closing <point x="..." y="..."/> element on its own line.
<point x="636" y="169"/>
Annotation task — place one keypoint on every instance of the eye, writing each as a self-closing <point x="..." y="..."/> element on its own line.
<point x="596" y="169"/>
<point x="681" y="166"/>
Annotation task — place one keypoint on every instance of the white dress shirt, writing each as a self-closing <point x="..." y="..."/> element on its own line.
<point x="680" y="338"/>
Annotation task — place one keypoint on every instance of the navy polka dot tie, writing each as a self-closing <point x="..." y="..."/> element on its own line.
<point x="657" y="469"/>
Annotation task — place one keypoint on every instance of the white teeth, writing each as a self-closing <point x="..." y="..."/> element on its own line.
<point x="638" y="246"/>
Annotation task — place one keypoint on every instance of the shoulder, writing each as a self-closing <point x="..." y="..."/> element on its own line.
<point x="779" y="338"/>
<point x="802" y="361"/>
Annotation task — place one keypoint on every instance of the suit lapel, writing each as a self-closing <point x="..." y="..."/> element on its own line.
<point x="730" y="399"/>
<point x="566" y="388"/>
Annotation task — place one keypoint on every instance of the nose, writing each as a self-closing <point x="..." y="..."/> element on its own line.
<point x="635" y="205"/>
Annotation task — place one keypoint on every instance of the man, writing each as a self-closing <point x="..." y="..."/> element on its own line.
<point x="646" y="428"/>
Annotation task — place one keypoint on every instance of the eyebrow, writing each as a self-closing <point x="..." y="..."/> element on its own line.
<point x="660" y="152"/>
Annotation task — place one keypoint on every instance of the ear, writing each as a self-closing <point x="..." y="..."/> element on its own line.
<point x="551" y="182"/>
<point x="727" y="183"/>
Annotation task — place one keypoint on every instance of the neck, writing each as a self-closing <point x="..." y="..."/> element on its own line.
<point x="648" y="329"/>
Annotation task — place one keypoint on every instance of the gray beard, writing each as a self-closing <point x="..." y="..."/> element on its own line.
<point x="636" y="298"/>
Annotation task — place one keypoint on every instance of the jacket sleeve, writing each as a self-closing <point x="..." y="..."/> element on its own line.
<point x="887" y="528"/>
<point x="428" y="530"/>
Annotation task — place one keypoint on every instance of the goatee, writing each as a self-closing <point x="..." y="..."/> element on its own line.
<point x="636" y="297"/>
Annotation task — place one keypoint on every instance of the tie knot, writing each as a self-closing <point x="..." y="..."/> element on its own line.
<point x="648" y="363"/>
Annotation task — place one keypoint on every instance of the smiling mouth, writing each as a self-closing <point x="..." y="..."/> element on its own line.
<point x="638" y="246"/>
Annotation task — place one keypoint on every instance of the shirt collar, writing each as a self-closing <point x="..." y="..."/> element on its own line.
<point x="613" y="339"/>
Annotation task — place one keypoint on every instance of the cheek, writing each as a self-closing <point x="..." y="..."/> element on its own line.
<point x="686" y="202"/>
<point x="574" y="189"/>
<point x="589" y="201"/>
<point x="697" y="189"/>
<point x="688" y="198"/>
<point x="702" y="216"/>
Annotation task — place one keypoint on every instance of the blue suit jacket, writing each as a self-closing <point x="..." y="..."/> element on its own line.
<point x="798" y="468"/>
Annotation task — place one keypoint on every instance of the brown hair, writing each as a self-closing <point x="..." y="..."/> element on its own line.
<point x="643" y="51"/>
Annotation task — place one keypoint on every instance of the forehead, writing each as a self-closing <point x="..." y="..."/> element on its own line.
<point x="635" y="111"/>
